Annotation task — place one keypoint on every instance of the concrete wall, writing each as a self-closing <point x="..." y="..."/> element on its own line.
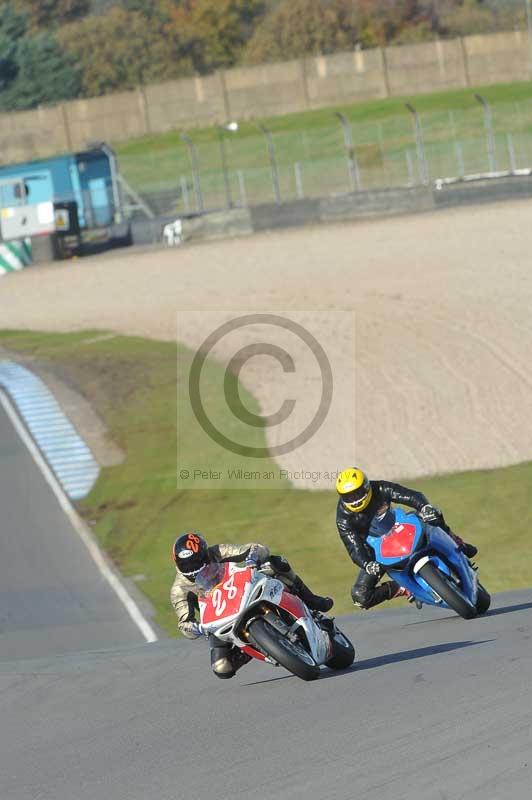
<point x="346" y="78"/>
<point x="428" y="67"/>
<point x="266" y="90"/>
<point x="497" y="58"/>
<point x="27" y="135"/>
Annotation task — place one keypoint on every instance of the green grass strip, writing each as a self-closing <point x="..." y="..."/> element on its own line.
<point x="136" y="511"/>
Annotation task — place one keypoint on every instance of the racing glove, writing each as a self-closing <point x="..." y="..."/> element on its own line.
<point x="431" y="514"/>
<point x="196" y="629"/>
<point x="252" y="558"/>
<point x="373" y="568"/>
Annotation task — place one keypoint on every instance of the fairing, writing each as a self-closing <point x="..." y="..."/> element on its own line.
<point x="404" y="531"/>
<point x="230" y="598"/>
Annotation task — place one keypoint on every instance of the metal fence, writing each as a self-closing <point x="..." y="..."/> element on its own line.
<point x="243" y="166"/>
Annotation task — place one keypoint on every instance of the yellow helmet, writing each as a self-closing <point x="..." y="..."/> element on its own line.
<point x="354" y="489"/>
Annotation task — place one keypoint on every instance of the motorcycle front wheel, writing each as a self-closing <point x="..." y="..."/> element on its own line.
<point x="483" y="600"/>
<point x="290" y="655"/>
<point x="343" y="652"/>
<point x="446" y="589"/>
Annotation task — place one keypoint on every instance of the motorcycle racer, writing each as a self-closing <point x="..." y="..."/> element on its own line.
<point x="360" y="502"/>
<point x="191" y="553"/>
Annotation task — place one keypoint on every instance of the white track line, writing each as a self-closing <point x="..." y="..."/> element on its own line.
<point x="116" y="584"/>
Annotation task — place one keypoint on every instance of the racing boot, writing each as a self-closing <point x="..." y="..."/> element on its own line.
<point x="469" y="550"/>
<point x="238" y="659"/>
<point x="313" y="601"/>
<point x="397" y="591"/>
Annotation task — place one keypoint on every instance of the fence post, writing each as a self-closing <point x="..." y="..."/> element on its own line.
<point x="300" y="191"/>
<point x="184" y="193"/>
<point x="460" y="159"/>
<point x="273" y="161"/>
<point x="352" y="166"/>
<point x="223" y="159"/>
<point x="410" y="168"/>
<point x="193" y="154"/>
<point x="420" y="145"/>
<point x="490" y="138"/>
<point x="511" y="152"/>
<point x="242" y="188"/>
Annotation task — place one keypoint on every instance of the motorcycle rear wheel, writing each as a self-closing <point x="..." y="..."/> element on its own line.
<point x="444" y="587"/>
<point x="289" y="655"/>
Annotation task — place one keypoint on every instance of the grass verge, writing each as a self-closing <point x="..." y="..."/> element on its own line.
<point x="136" y="511"/>
<point x="310" y="150"/>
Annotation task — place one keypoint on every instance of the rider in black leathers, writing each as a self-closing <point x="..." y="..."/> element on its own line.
<point x="353" y="527"/>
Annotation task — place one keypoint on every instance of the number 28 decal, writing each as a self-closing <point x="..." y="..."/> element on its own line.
<point x="219" y="601"/>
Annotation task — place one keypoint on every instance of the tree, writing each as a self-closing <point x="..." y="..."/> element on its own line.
<point x="48" y="14"/>
<point x="44" y="74"/>
<point x="12" y="28"/>
<point x="469" y="16"/>
<point x="381" y="22"/>
<point x="33" y="70"/>
<point x="146" y="7"/>
<point x="297" y="28"/>
<point x="122" y="50"/>
<point x="216" y="31"/>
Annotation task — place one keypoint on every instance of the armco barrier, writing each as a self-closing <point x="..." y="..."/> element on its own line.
<point x="487" y="190"/>
<point x="15" y="255"/>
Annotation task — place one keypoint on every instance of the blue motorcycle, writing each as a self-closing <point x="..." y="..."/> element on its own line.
<point x="425" y="560"/>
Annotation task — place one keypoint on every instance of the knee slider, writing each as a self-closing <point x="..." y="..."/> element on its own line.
<point x="359" y="595"/>
<point x="280" y="564"/>
<point x="223" y="668"/>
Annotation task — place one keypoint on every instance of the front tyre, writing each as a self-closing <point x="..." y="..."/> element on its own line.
<point x="343" y="651"/>
<point x="290" y="655"/>
<point x="446" y="589"/>
<point x="483" y="600"/>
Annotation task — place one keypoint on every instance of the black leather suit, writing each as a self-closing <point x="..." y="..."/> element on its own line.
<point x="353" y="528"/>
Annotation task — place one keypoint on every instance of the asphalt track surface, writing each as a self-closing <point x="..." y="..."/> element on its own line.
<point x="53" y="598"/>
<point x="434" y="707"/>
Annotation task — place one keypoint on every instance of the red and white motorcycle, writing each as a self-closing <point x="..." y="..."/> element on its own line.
<point x="255" y="612"/>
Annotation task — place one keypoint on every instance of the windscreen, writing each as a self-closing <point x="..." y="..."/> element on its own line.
<point x="208" y="577"/>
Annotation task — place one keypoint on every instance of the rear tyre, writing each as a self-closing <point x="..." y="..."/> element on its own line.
<point x="445" y="588"/>
<point x="343" y="652"/>
<point x="290" y="655"/>
<point x="483" y="600"/>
